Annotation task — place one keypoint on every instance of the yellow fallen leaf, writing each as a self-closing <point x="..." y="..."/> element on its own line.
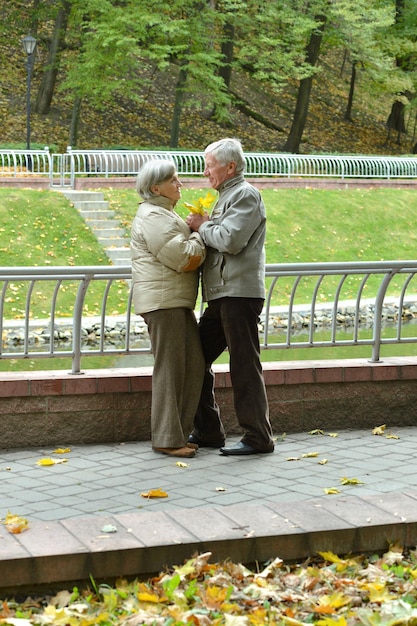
<point x="309" y="455"/>
<point x="181" y="464"/>
<point x="330" y="603"/>
<point x="350" y="481"/>
<point x="322" y="461"/>
<point x="390" y="436"/>
<point x="317" y="431"/>
<point x="331" y="490"/>
<point x="378" y="592"/>
<point x="155" y="493"/>
<point x="293" y="458"/>
<point x="220" y="489"/>
<point x="379" y="430"/>
<point x="15" y="524"/>
<point x="332" y="434"/>
<point x="62" y="450"/>
<point x="148" y="597"/>
<point x="48" y="461"/>
<point x="331" y="556"/>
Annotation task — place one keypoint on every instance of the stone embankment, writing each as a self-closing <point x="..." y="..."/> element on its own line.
<point x="115" y="328"/>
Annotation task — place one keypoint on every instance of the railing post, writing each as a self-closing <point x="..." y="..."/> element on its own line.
<point x="379" y="301"/>
<point x="77" y="324"/>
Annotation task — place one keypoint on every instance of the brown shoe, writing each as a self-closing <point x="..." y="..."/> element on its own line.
<point x="185" y="452"/>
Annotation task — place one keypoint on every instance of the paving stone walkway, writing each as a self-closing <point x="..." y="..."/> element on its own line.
<point x="243" y="508"/>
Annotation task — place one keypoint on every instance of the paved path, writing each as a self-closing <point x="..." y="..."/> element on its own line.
<point x="246" y="508"/>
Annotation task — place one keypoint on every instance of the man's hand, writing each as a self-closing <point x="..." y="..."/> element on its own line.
<point x="194" y="220"/>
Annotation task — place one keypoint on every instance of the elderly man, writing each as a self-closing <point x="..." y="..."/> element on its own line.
<point x="233" y="287"/>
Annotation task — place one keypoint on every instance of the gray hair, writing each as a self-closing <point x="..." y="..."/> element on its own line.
<point x="227" y="150"/>
<point x="153" y="173"/>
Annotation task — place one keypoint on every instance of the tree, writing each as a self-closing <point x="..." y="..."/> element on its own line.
<point x="47" y="86"/>
<point x="303" y="97"/>
<point x="121" y="41"/>
<point x="405" y="39"/>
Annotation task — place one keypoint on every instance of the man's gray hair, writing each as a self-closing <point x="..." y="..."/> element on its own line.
<point x="153" y="173"/>
<point x="227" y="150"/>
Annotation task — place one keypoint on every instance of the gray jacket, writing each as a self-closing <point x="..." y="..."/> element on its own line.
<point x="235" y="236"/>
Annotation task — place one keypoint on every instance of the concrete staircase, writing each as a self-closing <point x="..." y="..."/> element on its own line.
<point x="102" y="221"/>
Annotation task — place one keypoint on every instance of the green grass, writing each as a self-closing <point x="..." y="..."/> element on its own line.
<point x="40" y="228"/>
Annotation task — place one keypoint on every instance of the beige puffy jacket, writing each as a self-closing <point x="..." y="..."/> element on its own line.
<point x="165" y="258"/>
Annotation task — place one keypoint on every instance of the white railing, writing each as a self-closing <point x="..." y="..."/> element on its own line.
<point x="62" y="169"/>
<point x="339" y="312"/>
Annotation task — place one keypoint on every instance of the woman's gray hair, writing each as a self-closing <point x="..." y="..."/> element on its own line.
<point x="227" y="150"/>
<point x="153" y="173"/>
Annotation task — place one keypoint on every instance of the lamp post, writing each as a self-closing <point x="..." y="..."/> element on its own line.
<point x="29" y="45"/>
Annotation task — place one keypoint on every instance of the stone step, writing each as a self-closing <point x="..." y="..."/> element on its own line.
<point x="105" y="222"/>
<point x="110" y="242"/>
<point x="81" y="196"/>
<point x="108" y="233"/>
<point x="119" y="252"/>
<point x="90" y="205"/>
<point x="96" y="214"/>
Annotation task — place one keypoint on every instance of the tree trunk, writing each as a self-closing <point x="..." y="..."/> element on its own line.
<point x="47" y="86"/>
<point x="348" y="113"/>
<point x="75" y="120"/>
<point x="179" y="96"/>
<point x="396" y="121"/>
<point x="303" y="97"/>
<point x="227" y="50"/>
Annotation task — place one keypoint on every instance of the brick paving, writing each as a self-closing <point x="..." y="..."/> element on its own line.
<point x="244" y="508"/>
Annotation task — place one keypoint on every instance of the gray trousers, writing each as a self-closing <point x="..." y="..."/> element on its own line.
<point x="177" y="375"/>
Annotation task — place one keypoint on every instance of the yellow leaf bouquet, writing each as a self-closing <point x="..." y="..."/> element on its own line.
<point x="202" y="204"/>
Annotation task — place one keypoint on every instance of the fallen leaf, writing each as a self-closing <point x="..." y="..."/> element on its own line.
<point x="62" y="450"/>
<point x="15" y="524"/>
<point x="154" y="493"/>
<point x="332" y="434"/>
<point x="293" y="458"/>
<point x="322" y="461"/>
<point x="317" y="431"/>
<point x="350" y="481"/>
<point x="331" y="490"/>
<point x="379" y="430"/>
<point x="181" y="464"/>
<point x="49" y="461"/>
<point x="109" y="528"/>
<point x="309" y="455"/>
<point x="220" y="489"/>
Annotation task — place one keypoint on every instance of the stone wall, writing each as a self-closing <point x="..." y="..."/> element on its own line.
<point x="99" y="406"/>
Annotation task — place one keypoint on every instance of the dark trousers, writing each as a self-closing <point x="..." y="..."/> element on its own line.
<point x="233" y="323"/>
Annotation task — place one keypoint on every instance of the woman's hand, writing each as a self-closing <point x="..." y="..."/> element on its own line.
<point x="194" y="220"/>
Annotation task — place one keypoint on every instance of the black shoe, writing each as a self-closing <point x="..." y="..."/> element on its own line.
<point x="242" y="448"/>
<point x="205" y="444"/>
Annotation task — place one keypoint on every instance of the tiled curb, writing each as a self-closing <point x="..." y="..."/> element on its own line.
<point x="57" y="554"/>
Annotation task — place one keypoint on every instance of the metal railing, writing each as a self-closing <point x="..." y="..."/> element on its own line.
<point x="62" y="169"/>
<point x="293" y="324"/>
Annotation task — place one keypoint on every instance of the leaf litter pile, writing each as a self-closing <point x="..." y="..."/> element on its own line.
<point x="327" y="590"/>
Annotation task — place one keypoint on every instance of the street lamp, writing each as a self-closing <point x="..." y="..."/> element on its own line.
<point x="29" y="45"/>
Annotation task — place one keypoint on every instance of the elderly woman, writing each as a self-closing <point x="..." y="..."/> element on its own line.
<point x="166" y="256"/>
